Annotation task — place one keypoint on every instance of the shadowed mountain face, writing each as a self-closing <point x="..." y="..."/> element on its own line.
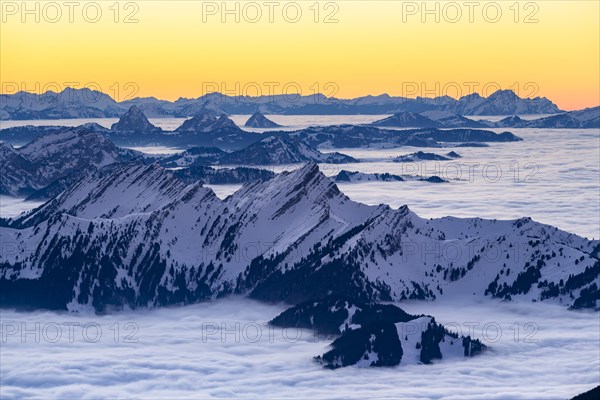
<point x="137" y="236"/>
<point x="258" y="120"/>
<point x="375" y="335"/>
<point x="134" y="120"/>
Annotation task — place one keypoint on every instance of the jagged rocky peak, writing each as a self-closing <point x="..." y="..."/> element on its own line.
<point x="134" y="120"/>
<point x="258" y="120"/>
<point x="307" y="181"/>
<point x="207" y="121"/>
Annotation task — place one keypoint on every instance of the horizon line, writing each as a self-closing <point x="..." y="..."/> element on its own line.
<point x="274" y="95"/>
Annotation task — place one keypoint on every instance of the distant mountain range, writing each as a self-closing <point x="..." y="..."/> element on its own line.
<point x="86" y="103"/>
<point x="57" y="157"/>
<point x="60" y="157"/>
<point x="54" y="162"/>
<point x="581" y="119"/>
<point x="136" y="236"/>
<point x="210" y="129"/>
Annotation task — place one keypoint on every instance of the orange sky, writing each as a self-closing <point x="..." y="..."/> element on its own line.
<point x="171" y="49"/>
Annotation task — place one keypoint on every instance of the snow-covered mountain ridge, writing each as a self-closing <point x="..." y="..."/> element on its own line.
<point x="292" y="238"/>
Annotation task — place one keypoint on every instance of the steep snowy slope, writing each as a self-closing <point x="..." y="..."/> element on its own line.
<point x="139" y="238"/>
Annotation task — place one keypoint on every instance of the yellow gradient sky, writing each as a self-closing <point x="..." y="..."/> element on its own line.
<point x="375" y="47"/>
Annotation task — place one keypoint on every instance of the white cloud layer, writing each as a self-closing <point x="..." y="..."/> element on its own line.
<point x="180" y="354"/>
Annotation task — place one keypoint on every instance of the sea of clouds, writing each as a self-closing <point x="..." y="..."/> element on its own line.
<point x="543" y="351"/>
<point x="225" y="349"/>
